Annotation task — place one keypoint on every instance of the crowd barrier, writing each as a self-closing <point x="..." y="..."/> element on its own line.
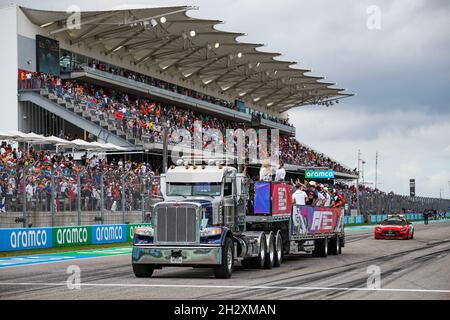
<point x="15" y="239"/>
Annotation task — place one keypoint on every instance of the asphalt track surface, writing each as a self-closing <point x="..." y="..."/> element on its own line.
<point x="413" y="269"/>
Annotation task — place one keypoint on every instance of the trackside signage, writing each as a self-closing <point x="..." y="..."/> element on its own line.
<point x="71" y="236"/>
<point x="24" y="239"/>
<point x="109" y="233"/>
<point x="132" y="227"/>
<point x="319" y="174"/>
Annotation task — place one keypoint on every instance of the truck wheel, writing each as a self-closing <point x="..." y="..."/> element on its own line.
<point x="225" y="269"/>
<point x="321" y="248"/>
<point x="143" y="270"/>
<point x="261" y="259"/>
<point x="270" y="255"/>
<point x="334" y="246"/>
<point x="278" y="250"/>
<point x="340" y="245"/>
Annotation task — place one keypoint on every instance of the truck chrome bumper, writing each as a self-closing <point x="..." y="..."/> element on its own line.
<point x="162" y="255"/>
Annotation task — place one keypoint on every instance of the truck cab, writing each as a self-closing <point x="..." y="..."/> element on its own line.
<point x="204" y="207"/>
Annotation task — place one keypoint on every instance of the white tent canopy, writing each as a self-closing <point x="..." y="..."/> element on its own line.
<point x="79" y="144"/>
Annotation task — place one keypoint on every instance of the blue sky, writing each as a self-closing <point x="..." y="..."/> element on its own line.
<point x="400" y="73"/>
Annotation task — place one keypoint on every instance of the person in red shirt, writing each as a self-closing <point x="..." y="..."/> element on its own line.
<point x="337" y="199"/>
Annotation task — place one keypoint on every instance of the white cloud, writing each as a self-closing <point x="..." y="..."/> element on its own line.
<point x="411" y="144"/>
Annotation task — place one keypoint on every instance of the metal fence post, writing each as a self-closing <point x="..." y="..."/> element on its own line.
<point x="24" y="197"/>
<point x="53" y="197"/>
<point x="143" y="199"/>
<point x="124" y="194"/>
<point x="102" y="197"/>
<point x="79" y="194"/>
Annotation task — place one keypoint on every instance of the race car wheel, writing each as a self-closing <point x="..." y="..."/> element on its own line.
<point x="225" y="269"/>
<point x="334" y="246"/>
<point x="278" y="250"/>
<point x="412" y="235"/>
<point x="270" y="255"/>
<point x="143" y="270"/>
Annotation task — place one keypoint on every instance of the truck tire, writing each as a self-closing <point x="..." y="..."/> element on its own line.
<point x="321" y="248"/>
<point x="270" y="254"/>
<point x="278" y="250"/>
<point x="143" y="270"/>
<point x="225" y="269"/>
<point x="341" y="240"/>
<point x="259" y="261"/>
<point x="334" y="246"/>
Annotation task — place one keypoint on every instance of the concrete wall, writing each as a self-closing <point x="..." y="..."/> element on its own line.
<point x="26" y="53"/>
<point x="8" y="66"/>
<point x="44" y="219"/>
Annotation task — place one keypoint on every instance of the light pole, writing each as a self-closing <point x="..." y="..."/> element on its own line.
<point x="376" y="170"/>
<point x="358" y="211"/>
<point x="449" y="186"/>
<point x="363" y="163"/>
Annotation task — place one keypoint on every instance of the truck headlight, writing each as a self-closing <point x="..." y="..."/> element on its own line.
<point x="403" y="229"/>
<point x="209" y="232"/>
<point x="144" y="231"/>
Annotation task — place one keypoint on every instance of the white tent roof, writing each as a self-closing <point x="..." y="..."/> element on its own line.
<point x="78" y="143"/>
<point x="189" y="48"/>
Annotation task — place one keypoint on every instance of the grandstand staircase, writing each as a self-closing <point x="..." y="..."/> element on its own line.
<point x="77" y="114"/>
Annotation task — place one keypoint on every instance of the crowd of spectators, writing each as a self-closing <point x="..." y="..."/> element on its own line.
<point x="143" y="119"/>
<point x="45" y="169"/>
<point x="175" y="88"/>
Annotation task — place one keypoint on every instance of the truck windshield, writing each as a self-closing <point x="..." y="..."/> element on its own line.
<point x="194" y="189"/>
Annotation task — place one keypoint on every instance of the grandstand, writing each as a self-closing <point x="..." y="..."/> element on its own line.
<point x="123" y="77"/>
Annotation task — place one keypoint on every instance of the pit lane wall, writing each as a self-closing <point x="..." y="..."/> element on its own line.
<point x="16" y="239"/>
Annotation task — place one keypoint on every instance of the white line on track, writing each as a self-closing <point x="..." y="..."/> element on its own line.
<point x="137" y="285"/>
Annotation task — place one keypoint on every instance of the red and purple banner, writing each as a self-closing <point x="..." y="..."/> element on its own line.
<point x="281" y="199"/>
<point x="314" y="220"/>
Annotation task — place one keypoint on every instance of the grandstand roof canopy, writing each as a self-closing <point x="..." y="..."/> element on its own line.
<point x="192" y="48"/>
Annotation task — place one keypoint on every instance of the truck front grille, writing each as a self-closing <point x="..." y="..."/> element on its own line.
<point x="176" y="224"/>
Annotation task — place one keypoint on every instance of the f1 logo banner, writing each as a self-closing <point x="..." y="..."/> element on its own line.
<point x="25" y="238"/>
<point x="281" y="199"/>
<point x="322" y="220"/>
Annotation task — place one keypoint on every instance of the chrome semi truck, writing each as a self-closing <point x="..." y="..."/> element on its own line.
<point x="207" y="219"/>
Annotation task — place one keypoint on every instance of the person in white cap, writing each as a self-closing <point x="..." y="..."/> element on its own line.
<point x="312" y="194"/>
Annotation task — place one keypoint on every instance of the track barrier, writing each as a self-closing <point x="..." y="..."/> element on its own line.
<point x="16" y="239"/>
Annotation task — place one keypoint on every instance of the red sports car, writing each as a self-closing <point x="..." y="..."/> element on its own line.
<point x="394" y="228"/>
